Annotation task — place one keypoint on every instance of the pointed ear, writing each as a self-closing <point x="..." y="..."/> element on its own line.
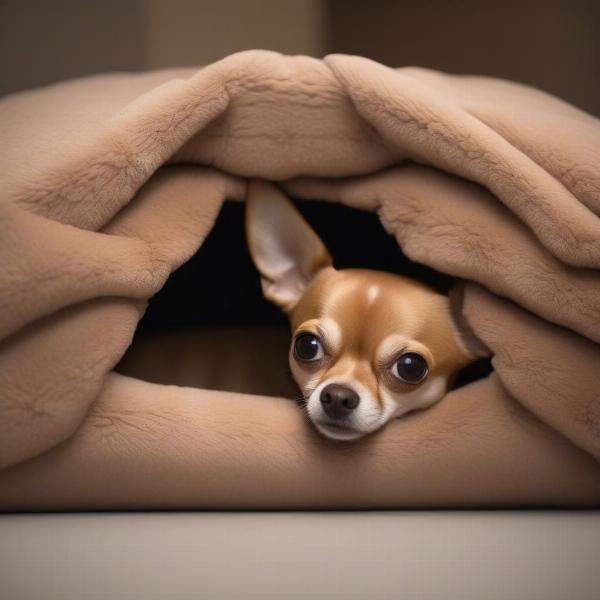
<point x="472" y="346"/>
<point x="284" y="248"/>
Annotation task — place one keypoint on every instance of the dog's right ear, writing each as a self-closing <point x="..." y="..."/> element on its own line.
<point x="284" y="248"/>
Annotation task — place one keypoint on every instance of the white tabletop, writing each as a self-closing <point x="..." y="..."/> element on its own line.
<point x="366" y="555"/>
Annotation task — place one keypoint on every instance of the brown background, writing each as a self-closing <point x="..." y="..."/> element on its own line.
<point x="552" y="44"/>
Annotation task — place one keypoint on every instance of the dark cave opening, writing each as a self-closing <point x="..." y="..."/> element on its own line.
<point x="218" y="291"/>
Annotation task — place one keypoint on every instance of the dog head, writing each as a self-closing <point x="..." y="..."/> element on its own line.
<point x="367" y="346"/>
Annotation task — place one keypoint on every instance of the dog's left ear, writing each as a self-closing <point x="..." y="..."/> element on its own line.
<point x="472" y="346"/>
<point x="284" y="248"/>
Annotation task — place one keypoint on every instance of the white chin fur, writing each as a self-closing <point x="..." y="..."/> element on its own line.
<point x="339" y="434"/>
<point x="369" y="415"/>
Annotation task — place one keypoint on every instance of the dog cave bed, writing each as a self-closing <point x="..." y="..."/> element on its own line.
<point x="110" y="183"/>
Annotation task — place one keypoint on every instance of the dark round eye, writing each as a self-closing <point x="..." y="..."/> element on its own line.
<point x="410" y="368"/>
<point x="307" y="347"/>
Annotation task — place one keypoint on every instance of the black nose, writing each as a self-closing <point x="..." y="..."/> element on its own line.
<point x="338" y="400"/>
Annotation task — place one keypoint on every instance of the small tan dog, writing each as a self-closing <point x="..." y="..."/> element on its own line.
<point x="367" y="346"/>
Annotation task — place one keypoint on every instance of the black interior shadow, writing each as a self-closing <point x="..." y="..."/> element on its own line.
<point x="219" y="285"/>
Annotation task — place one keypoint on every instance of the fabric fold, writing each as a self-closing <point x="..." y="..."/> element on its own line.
<point x="110" y="183"/>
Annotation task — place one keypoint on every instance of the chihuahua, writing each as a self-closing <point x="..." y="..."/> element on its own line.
<point x="367" y="346"/>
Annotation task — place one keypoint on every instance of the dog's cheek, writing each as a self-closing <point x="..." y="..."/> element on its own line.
<point x="391" y="406"/>
<point x="304" y="380"/>
<point x="427" y="394"/>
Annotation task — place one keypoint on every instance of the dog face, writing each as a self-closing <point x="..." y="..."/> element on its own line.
<point x="366" y="346"/>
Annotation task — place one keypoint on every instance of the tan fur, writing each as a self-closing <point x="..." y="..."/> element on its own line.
<point x="364" y="319"/>
<point x="491" y="181"/>
<point x="403" y="311"/>
<point x="403" y="306"/>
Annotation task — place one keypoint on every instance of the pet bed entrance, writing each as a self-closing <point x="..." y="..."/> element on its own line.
<point x="210" y="326"/>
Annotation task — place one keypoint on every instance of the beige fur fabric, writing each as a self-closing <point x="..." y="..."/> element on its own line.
<point x="110" y="183"/>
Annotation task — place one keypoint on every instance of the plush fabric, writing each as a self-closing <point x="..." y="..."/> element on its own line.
<point x="110" y="183"/>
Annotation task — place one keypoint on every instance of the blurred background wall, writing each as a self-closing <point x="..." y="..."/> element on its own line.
<point x="552" y="44"/>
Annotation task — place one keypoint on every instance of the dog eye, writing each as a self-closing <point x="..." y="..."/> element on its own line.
<point x="307" y="347"/>
<point x="410" y="368"/>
